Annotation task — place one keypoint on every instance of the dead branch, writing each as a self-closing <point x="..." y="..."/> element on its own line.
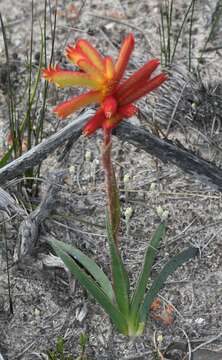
<point x="41" y="151"/>
<point x="164" y="150"/>
<point x="167" y="151"/>
<point x="29" y="228"/>
<point x="9" y="205"/>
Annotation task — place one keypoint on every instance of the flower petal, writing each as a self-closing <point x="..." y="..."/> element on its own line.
<point x="137" y="79"/>
<point x="66" y="78"/>
<point x="124" y="55"/>
<point x="149" y="86"/>
<point x="91" y="70"/>
<point x="91" y="53"/>
<point x="74" y="55"/>
<point x="125" y="111"/>
<point x="68" y="107"/>
<point x="109" y="68"/>
<point x="94" y="123"/>
<point x="112" y="122"/>
<point x="109" y="106"/>
<point x="128" y="110"/>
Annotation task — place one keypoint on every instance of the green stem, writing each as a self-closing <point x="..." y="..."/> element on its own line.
<point x="135" y="328"/>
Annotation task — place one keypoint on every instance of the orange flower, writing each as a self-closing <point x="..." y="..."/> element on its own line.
<point x="122" y="100"/>
<point x="97" y="73"/>
<point x="103" y="78"/>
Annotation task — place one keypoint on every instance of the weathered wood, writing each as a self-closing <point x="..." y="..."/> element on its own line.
<point x="167" y="151"/>
<point x="41" y="151"/>
<point x="29" y="227"/>
<point x="164" y="150"/>
<point x="9" y="205"/>
<point x="181" y="348"/>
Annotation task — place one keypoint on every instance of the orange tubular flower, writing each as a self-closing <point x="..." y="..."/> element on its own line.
<point x="103" y="78"/>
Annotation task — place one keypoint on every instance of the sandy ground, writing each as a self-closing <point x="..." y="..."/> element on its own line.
<point x="45" y="305"/>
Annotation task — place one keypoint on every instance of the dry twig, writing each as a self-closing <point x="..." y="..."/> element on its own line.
<point x="29" y="228"/>
<point x="165" y="150"/>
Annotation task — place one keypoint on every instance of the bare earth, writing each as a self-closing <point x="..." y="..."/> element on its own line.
<point x="45" y="303"/>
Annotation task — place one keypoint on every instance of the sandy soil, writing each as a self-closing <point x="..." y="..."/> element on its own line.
<point x="45" y="305"/>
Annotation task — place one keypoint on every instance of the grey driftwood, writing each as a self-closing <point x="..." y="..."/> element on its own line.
<point x="41" y="151"/>
<point x="164" y="150"/>
<point x="29" y="227"/>
<point x="8" y="204"/>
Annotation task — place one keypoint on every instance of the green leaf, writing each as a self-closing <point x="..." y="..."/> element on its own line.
<point x="93" y="288"/>
<point x="144" y="275"/>
<point x="83" y="340"/>
<point x="6" y="157"/>
<point x="60" y="345"/>
<point x="168" y="269"/>
<point x="51" y="355"/>
<point x="120" y="277"/>
<point x="4" y="160"/>
<point x="89" y="265"/>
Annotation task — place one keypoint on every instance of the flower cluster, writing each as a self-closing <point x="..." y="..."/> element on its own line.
<point x="104" y="79"/>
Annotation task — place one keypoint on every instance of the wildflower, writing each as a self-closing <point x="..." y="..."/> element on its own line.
<point x="159" y="211"/>
<point x="128" y="213"/>
<point x="126" y="179"/>
<point x="104" y="79"/>
<point x="162" y="213"/>
<point x="152" y="186"/>
<point x="88" y="156"/>
<point x="72" y="170"/>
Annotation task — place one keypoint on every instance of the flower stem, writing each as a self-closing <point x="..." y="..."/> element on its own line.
<point x="111" y="186"/>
